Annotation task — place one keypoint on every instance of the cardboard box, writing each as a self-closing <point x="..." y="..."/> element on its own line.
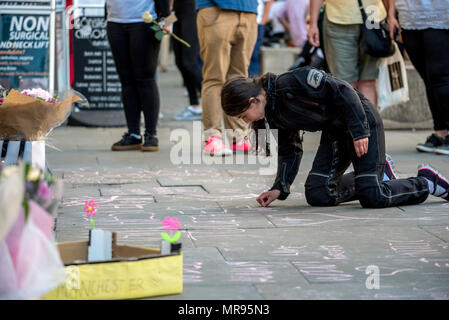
<point x="134" y="272"/>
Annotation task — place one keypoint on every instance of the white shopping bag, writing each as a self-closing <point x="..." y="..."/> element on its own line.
<point x="29" y="151"/>
<point x="391" y="84"/>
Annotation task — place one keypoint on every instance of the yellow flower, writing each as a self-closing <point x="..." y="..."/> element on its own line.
<point x="34" y="174"/>
<point x="147" y="17"/>
<point x="9" y="171"/>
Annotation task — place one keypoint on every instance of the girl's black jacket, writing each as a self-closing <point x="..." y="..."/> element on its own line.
<point x="309" y="99"/>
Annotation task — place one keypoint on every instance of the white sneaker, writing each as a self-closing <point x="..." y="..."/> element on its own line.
<point x="189" y="113"/>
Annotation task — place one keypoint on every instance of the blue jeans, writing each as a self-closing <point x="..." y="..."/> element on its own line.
<point x="254" y="65"/>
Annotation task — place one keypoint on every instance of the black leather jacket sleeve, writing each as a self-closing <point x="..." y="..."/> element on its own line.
<point x="162" y="8"/>
<point x="321" y="87"/>
<point x="289" y="158"/>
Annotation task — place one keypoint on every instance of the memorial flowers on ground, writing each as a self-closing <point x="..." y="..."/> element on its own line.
<point x="31" y="114"/>
<point x="172" y="225"/>
<point x="90" y="208"/>
<point x="42" y="188"/>
<point x="30" y="264"/>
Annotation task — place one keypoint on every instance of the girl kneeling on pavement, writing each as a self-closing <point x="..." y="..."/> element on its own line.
<point x="352" y="132"/>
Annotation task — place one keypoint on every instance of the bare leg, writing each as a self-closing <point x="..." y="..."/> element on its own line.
<point x="441" y="133"/>
<point x="368" y="89"/>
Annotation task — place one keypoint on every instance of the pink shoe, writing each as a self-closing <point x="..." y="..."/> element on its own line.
<point x="243" y="145"/>
<point x="216" y="147"/>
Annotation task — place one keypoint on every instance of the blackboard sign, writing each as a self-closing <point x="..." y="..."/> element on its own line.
<point x="24" y="50"/>
<point x="95" y="75"/>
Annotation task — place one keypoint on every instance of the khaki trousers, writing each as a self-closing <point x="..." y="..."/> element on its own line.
<point x="227" y="40"/>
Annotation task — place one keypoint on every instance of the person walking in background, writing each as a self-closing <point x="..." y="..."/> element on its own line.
<point x="263" y="9"/>
<point x="227" y="31"/>
<point x="187" y="58"/>
<point x="277" y="30"/>
<point x="425" y="33"/>
<point x="293" y="18"/>
<point x="342" y="28"/>
<point x="135" y="51"/>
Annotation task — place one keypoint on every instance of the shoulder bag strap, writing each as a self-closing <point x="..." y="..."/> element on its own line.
<point x="362" y="10"/>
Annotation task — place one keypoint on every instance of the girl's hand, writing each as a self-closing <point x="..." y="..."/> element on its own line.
<point x="361" y="146"/>
<point x="268" y="197"/>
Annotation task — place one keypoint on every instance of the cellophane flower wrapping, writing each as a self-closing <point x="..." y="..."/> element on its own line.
<point x="26" y="118"/>
<point x="30" y="264"/>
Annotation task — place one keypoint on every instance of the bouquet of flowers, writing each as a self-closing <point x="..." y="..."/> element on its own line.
<point x="30" y="264"/>
<point x="3" y="94"/>
<point x="31" y="114"/>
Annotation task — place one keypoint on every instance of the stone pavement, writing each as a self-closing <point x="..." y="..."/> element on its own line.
<point x="234" y="249"/>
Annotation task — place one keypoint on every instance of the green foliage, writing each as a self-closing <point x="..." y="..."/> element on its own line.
<point x="26" y="208"/>
<point x="167" y="238"/>
<point x="159" y="34"/>
<point x="176" y="236"/>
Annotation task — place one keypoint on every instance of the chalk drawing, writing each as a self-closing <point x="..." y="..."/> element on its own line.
<point x="316" y="271"/>
<point x="220" y="233"/>
<point x="243" y="271"/>
<point x="437" y="262"/>
<point x="287" y="251"/>
<point x="116" y="204"/>
<point x="192" y="272"/>
<point x="334" y="252"/>
<point x="382" y="269"/>
<point x="251" y="208"/>
<point x="205" y="197"/>
<point x="412" y="248"/>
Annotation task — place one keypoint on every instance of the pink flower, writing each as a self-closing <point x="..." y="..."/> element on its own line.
<point x="90" y="208"/>
<point x="39" y="93"/>
<point x="43" y="191"/>
<point x="171" y="223"/>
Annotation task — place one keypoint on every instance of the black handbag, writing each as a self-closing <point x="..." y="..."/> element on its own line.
<point x="376" y="41"/>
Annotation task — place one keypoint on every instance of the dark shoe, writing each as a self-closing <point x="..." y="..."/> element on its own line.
<point x="444" y="148"/>
<point x="389" y="168"/>
<point x="151" y="143"/>
<point x="128" y="142"/>
<point x="440" y="183"/>
<point x="433" y="141"/>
